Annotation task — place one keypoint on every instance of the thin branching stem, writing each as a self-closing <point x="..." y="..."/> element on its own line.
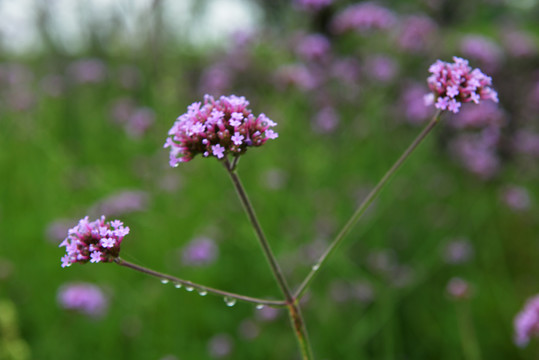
<point x="190" y="284"/>
<point x="364" y="206"/>
<point x="296" y="319"/>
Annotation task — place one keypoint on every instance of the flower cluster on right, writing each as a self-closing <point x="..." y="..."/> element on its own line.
<point x="455" y="83"/>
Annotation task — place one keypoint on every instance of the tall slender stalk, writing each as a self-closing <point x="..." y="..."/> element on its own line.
<point x="364" y="206"/>
<point x="296" y="319"/>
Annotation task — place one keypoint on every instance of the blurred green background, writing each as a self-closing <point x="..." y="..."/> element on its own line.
<point x="89" y="89"/>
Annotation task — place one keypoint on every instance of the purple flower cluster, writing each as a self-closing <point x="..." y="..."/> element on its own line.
<point x="527" y="322"/>
<point x="216" y="128"/>
<point x="455" y="83"/>
<point x="96" y="241"/>
<point x="363" y="17"/>
<point x="83" y="297"/>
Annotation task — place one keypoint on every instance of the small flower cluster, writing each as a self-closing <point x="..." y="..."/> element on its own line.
<point x="216" y="128"/>
<point x="527" y="322"/>
<point x="456" y="83"/>
<point x="96" y="241"/>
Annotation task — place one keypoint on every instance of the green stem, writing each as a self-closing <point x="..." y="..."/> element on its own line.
<point x="191" y="284"/>
<point x="364" y="206"/>
<point x="296" y="318"/>
<point x="275" y="268"/>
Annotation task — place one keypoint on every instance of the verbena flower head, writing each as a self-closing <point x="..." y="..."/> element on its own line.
<point x="527" y="322"/>
<point x="96" y="241"/>
<point x="217" y="128"/>
<point x="455" y="83"/>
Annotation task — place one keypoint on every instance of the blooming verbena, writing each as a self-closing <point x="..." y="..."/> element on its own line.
<point x="96" y="241"/>
<point x="217" y="128"/>
<point x="527" y="322"/>
<point x="455" y="83"/>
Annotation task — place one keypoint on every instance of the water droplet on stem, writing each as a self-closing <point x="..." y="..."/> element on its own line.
<point x="230" y="301"/>
<point x="259" y="307"/>
<point x="164" y="281"/>
<point x="189" y="288"/>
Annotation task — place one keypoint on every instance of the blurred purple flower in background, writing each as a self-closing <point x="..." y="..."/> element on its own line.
<point x="313" y="47"/>
<point x="478" y="116"/>
<point x="527" y="322"/>
<point x="411" y="101"/>
<point x="121" y="109"/>
<point x="363" y="18"/>
<point x="267" y="313"/>
<point x="312" y="5"/>
<point x="200" y="251"/>
<point x="517" y="198"/>
<point x="346" y="69"/>
<point x="87" y="71"/>
<point x="220" y="346"/>
<point x="458" y="289"/>
<point x="526" y="142"/>
<point x="381" y="68"/>
<point x="121" y="203"/>
<point x="416" y="33"/>
<point x="139" y="122"/>
<point x="482" y="49"/>
<point x="297" y="75"/>
<point x="249" y="329"/>
<point x="83" y="297"/>
<point x="215" y="79"/>
<point x="326" y="120"/>
<point x="458" y="251"/>
<point x="56" y="231"/>
<point x="477" y="152"/>
<point x="519" y="44"/>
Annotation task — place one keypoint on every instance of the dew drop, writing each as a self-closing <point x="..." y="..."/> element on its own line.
<point x="176" y="165"/>
<point x="259" y="307"/>
<point x="230" y="301"/>
<point x="202" y="292"/>
<point x="189" y="288"/>
<point x="164" y="281"/>
<point x="316" y="267"/>
<point x="177" y="285"/>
